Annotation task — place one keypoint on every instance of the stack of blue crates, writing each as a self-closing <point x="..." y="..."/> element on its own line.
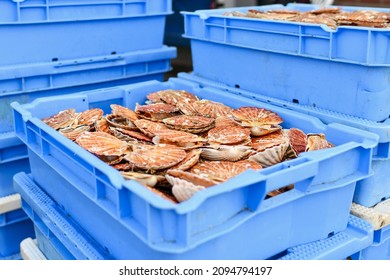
<point x="52" y="47"/>
<point x="336" y="75"/>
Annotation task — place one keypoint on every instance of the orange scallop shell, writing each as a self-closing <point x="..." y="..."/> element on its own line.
<point x="192" y="158"/>
<point x="187" y="108"/>
<point x="150" y="128"/>
<point x="218" y="171"/>
<point x="193" y="124"/>
<point x="256" y="116"/>
<point x="102" y="144"/>
<point x="228" y="135"/>
<point x="156" y="157"/>
<point x="267" y="141"/>
<point x="62" y="119"/>
<point x="72" y="132"/>
<point x="89" y="117"/>
<point x="211" y="109"/>
<point x="124" y="112"/>
<point x="317" y="142"/>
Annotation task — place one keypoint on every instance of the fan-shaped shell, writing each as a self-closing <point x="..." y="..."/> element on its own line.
<point x="192" y="124"/>
<point x="267" y="141"/>
<point x="271" y="155"/>
<point x="89" y="117"/>
<point x="224" y="121"/>
<point x="102" y="125"/>
<point x="229" y="135"/>
<point x="72" y="132"/>
<point x="156" y="157"/>
<point x="129" y="135"/>
<point x="254" y="116"/>
<point x="187" y="108"/>
<point x="298" y="140"/>
<point x="102" y="144"/>
<point x="174" y="96"/>
<point x="218" y="171"/>
<point x="156" y="111"/>
<point x="182" y="189"/>
<point x="192" y="158"/>
<point x="317" y="142"/>
<point x="211" y="109"/>
<point x="62" y="119"/>
<point x="124" y="112"/>
<point x="182" y="139"/>
<point x="226" y="153"/>
<point x="250" y="164"/>
<point x="142" y="178"/>
<point x="119" y="121"/>
<point x="150" y="128"/>
<point x="194" y="178"/>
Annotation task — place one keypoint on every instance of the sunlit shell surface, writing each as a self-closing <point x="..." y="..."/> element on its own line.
<point x="102" y="144"/>
<point x="194" y="178"/>
<point x="156" y="157"/>
<point x="123" y="112"/>
<point x="229" y="135"/>
<point x="211" y="109"/>
<point x="150" y="128"/>
<point x="298" y="140"/>
<point x="250" y="164"/>
<point x="187" y="108"/>
<point x="102" y="125"/>
<point x="62" y="119"/>
<point x="120" y="121"/>
<point x="88" y="117"/>
<point x="317" y="142"/>
<point x="172" y="96"/>
<point x="267" y="141"/>
<point x="72" y="132"/>
<point x="224" y="121"/>
<point x="190" y="160"/>
<point x="129" y="135"/>
<point x="192" y="124"/>
<point x="182" y="189"/>
<point x="142" y="178"/>
<point x="218" y="171"/>
<point x="271" y="155"/>
<point x="226" y="153"/>
<point x="254" y="116"/>
<point x="156" y="111"/>
<point x="180" y="138"/>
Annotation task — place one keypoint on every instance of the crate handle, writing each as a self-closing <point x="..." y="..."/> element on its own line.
<point x="89" y="61"/>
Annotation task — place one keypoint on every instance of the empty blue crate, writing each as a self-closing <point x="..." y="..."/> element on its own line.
<point x="357" y="237"/>
<point x="15" y="226"/>
<point x="13" y="159"/>
<point x="369" y="191"/>
<point x="344" y="70"/>
<point x="120" y="213"/>
<point x="78" y="29"/>
<point x="24" y="84"/>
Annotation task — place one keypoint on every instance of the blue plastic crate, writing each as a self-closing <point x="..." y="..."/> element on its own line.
<point x="344" y="70"/>
<point x="14" y="227"/>
<point x="369" y="191"/>
<point x="59" y="238"/>
<point x="357" y="237"/>
<point x="14" y="11"/>
<point x="13" y="159"/>
<point x="380" y="249"/>
<point x="174" y="27"/>
<point x="75" y="29"/>
<point x="25" y="83"/>
<point x="132" y="214"/>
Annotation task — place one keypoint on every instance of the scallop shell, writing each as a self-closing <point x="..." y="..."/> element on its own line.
<point x="226" y="153"/>
<point x="187" y="108"/>
<point x="124" y="166"/>
<point x="254" y="116"/>
<point x="264" y="129"/>
<point x="156" y="111"/>
<point x="267" y="141"/>
<point x="182" y="189"/>
<point x="123" y="112"/>
<point x="142" y="178"/>
<point x="150" y="128"/>
<point x="317" y="142"/>
<point x="72" y="132"/>
<point x="271" y="155"/>
<point x="229" y="135"/>
<point x="211" y="109"/>
<point x="218" y="171"/>
<point x="119" y="121"/>
<point x="129" y="135"/>
<point x="250" y="164"/>
<point x="327" y="10"/>
<point x="156" y="157"/>
<point x="62" y="119"/>
<point x="224" y="121"/>
<point x="194" y="178"/>
<point x="172" y="97"/>
<point x="102" y="125"/>
<point x="298" y="140"/>
<point x="102" y="144"/>
<point x="190" y="160"/>
<point x="89" y="117"/>
<point x="163" y="194"/>
<point x="182" y="139"/>
<point x="192" y="124"/>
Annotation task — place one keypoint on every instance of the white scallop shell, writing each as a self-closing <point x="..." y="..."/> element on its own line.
<point x="182" y="189"/>
<point x="270" y="156"/>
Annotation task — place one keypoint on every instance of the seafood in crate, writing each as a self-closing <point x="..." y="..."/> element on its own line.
<point x="177" y="144"/>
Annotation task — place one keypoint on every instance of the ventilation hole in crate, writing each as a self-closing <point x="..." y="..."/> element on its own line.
<point x="83" y="99"/>
<point x="331" y="234"/>
<point x="314" y="105"/>
<point x="237" y="86"/>
<point x="383" y="198"/>
<point x="113" y="53"/>
<point x="54" y="59"/>
<point x="295" y="101"/>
